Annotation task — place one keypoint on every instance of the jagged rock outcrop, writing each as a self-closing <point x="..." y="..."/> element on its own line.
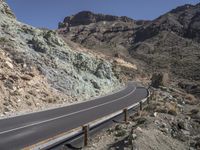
<point x="87" y="17"/>
<point x="159" y="79"/>
<point x="191" y="88"/>
<point x="110" y="33"/>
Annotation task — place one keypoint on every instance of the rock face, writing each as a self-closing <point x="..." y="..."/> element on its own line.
<point x="190" y="87"/>
<point x="100" y="31"/>
<point x="160" y="79"/>
<point x="87" y="17"/>
<point x="5" y="9"/>
<point x="170" y="43"/>
<point x="74" y="76"/>
<point x="184" y="21"/>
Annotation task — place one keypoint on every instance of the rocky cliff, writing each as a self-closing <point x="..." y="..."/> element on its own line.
<point x="38" y="68"/>
<point x="110" y="33"/>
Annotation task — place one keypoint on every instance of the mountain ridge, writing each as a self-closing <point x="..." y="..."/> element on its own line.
<point x="132" y="39"/>
<point x="87" y="17"/>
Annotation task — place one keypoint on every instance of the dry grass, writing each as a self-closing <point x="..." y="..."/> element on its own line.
<point x="190" y="99"/>
<point x="124" y="63"/>
<point x="172" y="108"/>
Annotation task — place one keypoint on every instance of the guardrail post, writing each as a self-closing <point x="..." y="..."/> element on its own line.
<point x="125" y="115"/>
<point x="140" y="106"/>
<point x="152" y="95"/>
<point x="85" y="132"/>
<point x="140" y="112"/>
<point x="148" y="98"/>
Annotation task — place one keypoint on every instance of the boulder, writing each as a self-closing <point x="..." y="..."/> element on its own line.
<point x="39" y="45"/>
<point x="9" y="64"/>
<point x="159" y="79"/>
<point x="95" y="84"/>
<point x="191" y="88"/>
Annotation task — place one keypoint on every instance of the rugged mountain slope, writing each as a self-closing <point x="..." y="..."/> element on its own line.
<point x="38" y="68"/>
<point x="184" y="21"/>
<point x="109" y="33"/>
<point x="170" y="53"/>
<point x="169" y="43"/>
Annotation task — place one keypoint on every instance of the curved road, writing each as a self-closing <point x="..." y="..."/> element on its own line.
<point x="22" y="131"/>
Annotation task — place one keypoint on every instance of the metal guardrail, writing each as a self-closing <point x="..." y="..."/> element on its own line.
<point x="91" y="126"/>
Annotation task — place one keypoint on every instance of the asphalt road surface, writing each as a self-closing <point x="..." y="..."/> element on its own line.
<point x="25" y="130"/>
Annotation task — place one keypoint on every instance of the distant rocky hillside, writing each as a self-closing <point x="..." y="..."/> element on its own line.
<point x="107" y="32"/>
<point x="170" y="43"/>
<point x="38" y="68"/>
<point x="184" y="21"/>
<point x="87" y="17"/>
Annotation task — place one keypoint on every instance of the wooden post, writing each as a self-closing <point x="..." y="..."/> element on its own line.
<point x="140" y="106"/>
<point x="152" y="95"/>
<point x="125" y="115"/>
<point x="85" y="132"/>
<point x="148" y="100"/>
<point x="140" y="111"/>
<point x="149" y="97"/>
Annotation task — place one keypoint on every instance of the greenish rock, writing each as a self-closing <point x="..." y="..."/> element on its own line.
<point x="76" y="74"/>
<point x="39" y="45"/>
<point x="120" y="133"/>
<point x="4" y="8"/>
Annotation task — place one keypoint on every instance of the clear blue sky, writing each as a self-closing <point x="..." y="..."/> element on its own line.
<point x="47" y="13"/>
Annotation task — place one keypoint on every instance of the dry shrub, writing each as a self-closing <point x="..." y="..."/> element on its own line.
<point x="160" y="103"/>
<point x="143" y="113"/>
<point x="190" y="99"/>
<point x="194" y="111"/>
<point x="176" y="95"/>
<point x="172" y="108"/>
<point x="161" y="109"/>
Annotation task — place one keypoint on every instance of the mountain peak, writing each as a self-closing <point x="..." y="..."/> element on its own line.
<point x="185" y="7"/>
<point x="88" y="17"/>
<point x="5" y="10"/>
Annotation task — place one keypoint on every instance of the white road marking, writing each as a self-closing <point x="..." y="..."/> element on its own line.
<point x="63" y="116"/>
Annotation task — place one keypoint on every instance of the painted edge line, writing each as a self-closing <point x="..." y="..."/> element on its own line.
<point x="70" y="135"/>
<point x="67" y="115"/>
<point x="29" y="113"/>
